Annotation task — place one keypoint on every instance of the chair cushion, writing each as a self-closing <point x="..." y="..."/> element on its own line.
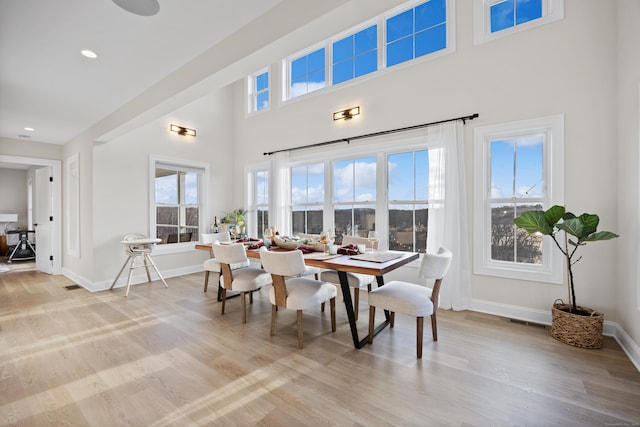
<point x="289" y="263"/>
<point x="213" y="264"/>
<point x="356" y="280"/>
<point x="229" y="253"/>
<point x="248" y="279"/>
<point x="305" y="293"/>
<point x="403" y="297"/>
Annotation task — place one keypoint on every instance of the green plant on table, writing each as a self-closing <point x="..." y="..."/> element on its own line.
<point x="236" y="216"/>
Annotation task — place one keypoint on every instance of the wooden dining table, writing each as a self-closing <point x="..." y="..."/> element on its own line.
<point x="344" y="264"/>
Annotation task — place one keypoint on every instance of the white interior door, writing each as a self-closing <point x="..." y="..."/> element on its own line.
<point x="44" y="219"/>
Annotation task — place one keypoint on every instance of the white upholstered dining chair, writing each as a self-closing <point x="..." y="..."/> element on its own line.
<point x="413" y="299"/>
<point x="212" y="265"/>
<point x="244" y="280"/>
<point x="357" y="281"/>
<point x="293" y="292"/>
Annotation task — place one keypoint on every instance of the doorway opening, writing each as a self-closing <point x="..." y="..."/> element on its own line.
<point x="49" y="257"/>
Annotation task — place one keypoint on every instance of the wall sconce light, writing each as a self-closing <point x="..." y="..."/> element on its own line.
<point x="180" y="130"/>
<point x="346" y="114"/>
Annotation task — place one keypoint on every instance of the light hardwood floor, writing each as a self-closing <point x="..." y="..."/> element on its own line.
<point x="167" y="357"/>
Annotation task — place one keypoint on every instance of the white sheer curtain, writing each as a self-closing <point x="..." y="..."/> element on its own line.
<point x="280" y="192"/>
<point x="448" y="214"/>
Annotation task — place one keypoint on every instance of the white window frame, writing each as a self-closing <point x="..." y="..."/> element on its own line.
<point x="451" y="34"/>
<point x="429" y="202"/>
<point x="203" y="197"/>
<point x="252" y="205"/>
<point x="351" y="32"/>
<point x="552" y="268"/>
<point x="286" y="70"/>
<point x="322" y="204"/>
<point x="380" y="21"/>
<point x="252" y="93"/>
<point x="552" y="10"/>
<point x="386" y="145"/>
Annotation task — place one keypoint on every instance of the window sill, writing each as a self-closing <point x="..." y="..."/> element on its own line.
<point x="174" y="248"/>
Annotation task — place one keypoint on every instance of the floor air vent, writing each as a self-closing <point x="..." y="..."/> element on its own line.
<point x="524" y="322"/>
<point x="72" y="287"/>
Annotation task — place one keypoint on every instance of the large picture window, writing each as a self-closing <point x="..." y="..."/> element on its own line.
<point x="519" y="168"/>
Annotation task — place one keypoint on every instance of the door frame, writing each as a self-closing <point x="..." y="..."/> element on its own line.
<point x="56" y="167"/>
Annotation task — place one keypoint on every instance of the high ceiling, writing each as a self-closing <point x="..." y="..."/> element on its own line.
<point x="47" y="85"/>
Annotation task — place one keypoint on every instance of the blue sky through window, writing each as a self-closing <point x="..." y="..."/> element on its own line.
<point x="416" y="32"/>
<point x="517" y="167"/>
<point x="408" y="176"/>
<point x="262" y="91"/>
<point x="508" y="13"/>
<point x="307" y="73"/>
<point x="167" y="189"/>
<point x="355" y="55"/>
<point x="307" y="184"/>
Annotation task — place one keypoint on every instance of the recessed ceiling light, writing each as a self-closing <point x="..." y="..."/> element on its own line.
<point x="89" y="53"/>
<point x="29" y="129"/>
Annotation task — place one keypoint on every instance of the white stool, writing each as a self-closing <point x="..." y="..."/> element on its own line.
<point x="138" y="248"/>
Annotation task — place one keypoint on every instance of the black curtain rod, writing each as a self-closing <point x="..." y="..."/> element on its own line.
<point x="370" y="135"/>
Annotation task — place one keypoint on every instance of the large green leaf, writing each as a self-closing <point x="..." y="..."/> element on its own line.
<point x="533" y="221"/>
<point x="554" y="214"/>
<point x="572" y="226"/>
<point x="600" y="235"/>
<point x="589" y="223"/>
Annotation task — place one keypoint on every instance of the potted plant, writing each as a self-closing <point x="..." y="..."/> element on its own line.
<point x="571" y="323"/>
<point x="235" y="217"/>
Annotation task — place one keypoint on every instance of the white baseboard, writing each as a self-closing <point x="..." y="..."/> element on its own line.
<point x="543" y="317"/>
<point x="82" y="281"/>
<point x="103" y="285"/>
<point x="142" y="278"/>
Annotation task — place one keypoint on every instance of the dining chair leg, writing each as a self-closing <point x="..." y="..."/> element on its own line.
<point x="206" y="280"/>
<point x="434" y="327"/>
<point x="274" y="308"/>
<point x="372" y="320"/>
<point x="392" y="319"/>
<point x="223" y="295"/>
<point x="243" y="304"/>
<point x="419" y="328"/>
<point x="299" y="328"/>
<point x="322" y="307"/>
<point x="356" y="302"/>
<point x="332" y="304"/>
<point x="250" y="297"/>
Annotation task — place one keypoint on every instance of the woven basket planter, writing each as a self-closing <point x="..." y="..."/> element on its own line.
<point x="576" y="329"/>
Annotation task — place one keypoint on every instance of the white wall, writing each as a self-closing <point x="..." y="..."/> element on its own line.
<point x="13" y="196"/>
<point x="567" y="67"/>
<point x="627" y="282"/>
<point x="121" y="179"/>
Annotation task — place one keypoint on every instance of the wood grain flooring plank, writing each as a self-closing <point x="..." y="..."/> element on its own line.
<point x="165" y="357"/>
